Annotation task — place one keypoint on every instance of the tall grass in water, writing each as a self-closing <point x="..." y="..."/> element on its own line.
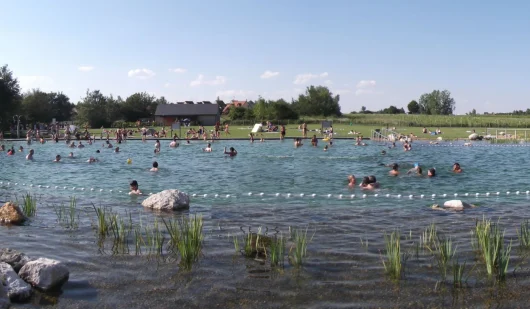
<point x="154" y="239"/>
<point x="523" y="233"/>
<point x="190" y="239"/>
<point x="298" y="250"/>
<point x="429" y="236"/>
<point x="67" y="216"/>
<point x="120" y="231"/>
<point x="395" y="260"/>
<point x="458" y="273"/>
<point x="29" y="205"/>
<point x="490" y="243"/>
<point x="444" y="254"/>
<point x="277" y="250"/>
<point x="103" y="222"/>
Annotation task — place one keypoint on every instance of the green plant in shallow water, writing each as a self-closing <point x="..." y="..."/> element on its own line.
<point x="298" y="250"/>
<point x="190" y="239"/>
<point x="523" y="233"/>
<point x="444" y="253"/>
<point x="67" y="216"/>
<point x="458" y="273"/>
<point x="29" y="205"/>
<point x="394" y="263"/>
<point x="490" y="243"/>
<point x="103" y="222"/>
<point x="429" y="236"/>
<point x="277" y="250"/>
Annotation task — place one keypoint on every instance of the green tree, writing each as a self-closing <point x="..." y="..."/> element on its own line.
<point x="139" y="105"/>
<point x="317" y="101"/>
<point x="97" y="110"/>
<point x="36" y="106"/>
<point x="437" y="103"/>
<point x="413" y="107"/>
<point x="62" y="108"/>
<point x="280" y="109"/>
<point x="237" y="113"/>
<point x="10" y="98"/>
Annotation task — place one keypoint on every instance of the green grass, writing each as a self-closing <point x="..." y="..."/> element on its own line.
<point x="277" y="250"/>
<point x="429" y="236"/>
<point x="523" y="233"/>
<point x="393" y="264"/>
<point x="490" y="243"/>
<point x="444" y="254"/>
<point x="102" y="222"/>
<point x="458" y="273"/>
<point x="298" y="250"/>
<point x="67" y="216"/>
<point x="120" y="231"/>
<point x="190" y="240"/>
<point x="29" y="205"/>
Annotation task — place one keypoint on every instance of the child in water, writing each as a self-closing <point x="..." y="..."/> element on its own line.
<point x="155" y="167"/>
<point x="231" y="153"/>
<point x="208" y="148"/>
<point x="134" y="188"/>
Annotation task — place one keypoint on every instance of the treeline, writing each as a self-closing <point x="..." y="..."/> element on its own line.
<point x="316" y="101"/>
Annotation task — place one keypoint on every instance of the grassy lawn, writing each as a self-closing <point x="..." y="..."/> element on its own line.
<point x="341" y="131"/>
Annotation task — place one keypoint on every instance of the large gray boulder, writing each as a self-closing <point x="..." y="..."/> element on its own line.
<point x="44" y="274"/>
<point x="4" y="299"/>
<point x="168" y="200"/>
<point x="14" y="258"/>
<point x="17" y="289"/>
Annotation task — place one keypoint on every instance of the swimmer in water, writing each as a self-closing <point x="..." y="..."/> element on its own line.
<point x="30" y="155"/>
<point x="2" y="148"/>
<point x="208" y="148"/>
<point x="365" y="184"/>
<point x="72" y="145"/>
<point x="298" y="142"/>
<point x="92" y="160"/>
<point x="414" y="169"/>
<point x="57" y="158"/>
<point x="97" y="151"/>
<point x="383" y="153"/>
<point x="431" y="172"/>
<point x="71" y="155"/>
<point x="394" y="171"/>
<point x="134" y="188"/>
<point x="174" y="143"/>
<point x="155" y="167"/>
<point x="11" y="151"/>
<point x="457" y="169"/>
<point x="231" y="153"/>
<point x="21" y="149"/>
<point x="117" y="149"/>
<point x="326" y="148"/>
<point x="80" y="145"/>
<point x="314" y="141"/>
<point x="157" y="145"/>
<point x="351" y="181"/>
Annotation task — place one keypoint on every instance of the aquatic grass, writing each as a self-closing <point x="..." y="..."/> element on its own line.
<point x="393" y="264"/>
<point x="29" y="205"/>
<point x="173" y="230"/>
<point x="364" y="242"/>
<point x="190" y="239"/>
<point x="67" y="216"/>
<point x="277" y="251"/>
<point x="251" y="242"/>
<point x="103" y="222"/>
<point x="523" y="233"/>
<point x="458" y="273"/>
<point x="298" y="250"/>
<point x="236" y="244"/>
<point x="429" y="236"/>
<point x="154" y="239"/>
<point x="490" y="242"/>
<point x="120" y="231"/>
<point x="444" y="252"/>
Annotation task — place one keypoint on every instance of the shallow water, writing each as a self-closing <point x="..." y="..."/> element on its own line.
<point x="340" y="272"/>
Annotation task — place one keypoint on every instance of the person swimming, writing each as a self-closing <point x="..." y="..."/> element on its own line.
<point x="92" y="160"/>
<point x="298" y="142"/>
<point x="208" y="148"/>
<point x="373" y="182"/>
<point x="431" y="172"/>
<point x="456" y="168"/>
<point x="174" y="143"/>
<point x="135" y="190"/>
<point x="21" y="149"/>
<point x="155" y="167"/>
<point x="365" y="184"/>
<point x="231" y="153"/>
<point x="383" y="152"/>
<point x="326" y="148"/>
<point x="394" y="171"/>
<point x="71" y="155"/>
<point x="117" y="149"/>
<point x="57" y="158"/>
<point x="72" y="145"/>
<point x="2" y="147"/>
<point x="157" y="146"/>
<point x="314" y="141"/>
<point x="30" y="155"/>
<point x="351" y="181"/>
<point x="80" y="145"/>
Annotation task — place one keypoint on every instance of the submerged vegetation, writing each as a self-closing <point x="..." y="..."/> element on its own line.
<point x="29" y="205"/>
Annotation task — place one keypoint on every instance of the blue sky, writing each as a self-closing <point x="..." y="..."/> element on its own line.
<point x="373" y="53"/>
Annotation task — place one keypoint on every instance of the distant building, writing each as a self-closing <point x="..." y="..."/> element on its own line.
<point x="235" y="103"/>
<point x="205" y="113"/>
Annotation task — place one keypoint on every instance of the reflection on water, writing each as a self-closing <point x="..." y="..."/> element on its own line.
<point x="344" y="264"/>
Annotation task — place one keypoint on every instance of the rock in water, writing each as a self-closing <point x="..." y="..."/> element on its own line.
<point x="457" y="204"/>
<point x="44" y="274"/>
<point x="11" y="213"/>
<point x="14" y="258"/>
<point x="473" y="136"/>
<point x="168" y="200"/>
<point x="4" y="299"/>
<point x="17" y="289"/>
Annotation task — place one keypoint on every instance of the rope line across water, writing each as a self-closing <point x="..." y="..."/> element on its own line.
<point x="525" y="193"/>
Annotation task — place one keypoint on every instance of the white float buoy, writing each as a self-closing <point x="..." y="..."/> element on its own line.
<point x="527" y="192"/>
<point x="517" y="192"/>
<point x="194" y="195"/>
<point x="110" y="190"/>
<point x="434" y="195"/>
<point x="376" y="195"/>
<point x="261" y="194"/>
<point x="91" y="189"/>
<point x="352" y="196"/>
<point x="313" y="195"/>
<point x="456" y="194"/>
<point x="329" y="195"/>
<point x="411" y="196"/>
<point x="387" y="195"/>
<point x="421" y="196"/>
<point x="301" y="195"/>
<point x="340" y="196"/>
<point x="487" y="194"/>
<point x="477" y="194"/>
<point x="498" y="193"/>
<point x="64" y="188"/>
<point x="16" y="183"/>
<point x="250" y="194"/>
<point x="100" y="190"/>
<point x="444" y="195"/>
<point x="31" y="185"/>
<point x="508" y="193"/>
<point x="82" y="189"/>
<point x="216" y="195"/>
<point x="467" y="194"/>
<point x="277" y="194"/>
<point x="205" y="195"/>
<point x="56" y="187"/>
<point x="228" y="195"/>
<point x="73" y="188"/>
<point x="364" y="195"/>
<point x="288" y="194"/>
<point x="399" y="196"/>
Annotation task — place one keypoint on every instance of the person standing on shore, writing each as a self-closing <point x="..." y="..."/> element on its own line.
<point x="282" y="133"/>
<point x="304" y="130"/>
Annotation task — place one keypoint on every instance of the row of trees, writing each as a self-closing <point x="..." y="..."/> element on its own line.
<point x="316" y="101"/>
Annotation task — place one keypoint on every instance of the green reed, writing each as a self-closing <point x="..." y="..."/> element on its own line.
<point x="523" y="233"/>
<point x="236" y="244"/>
<point x="103" y="221"/>
<point x="154" y="239"/>
<point x="458" y="273"/>
<point x="29" y="205"/>
<point x="190" y="239"/>
<point x="277" y="250"/>
<point x="429" y="236"/>
<point x="173" y="230"/>
<point x="298" y="250"/>
<point x="490" y="243"/>
<point x="444" y="253"/>
<point x="395" y="261"/>
<point x="67" y="216"/>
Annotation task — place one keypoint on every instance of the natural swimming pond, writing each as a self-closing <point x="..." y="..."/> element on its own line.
<point x="344" y="265"/>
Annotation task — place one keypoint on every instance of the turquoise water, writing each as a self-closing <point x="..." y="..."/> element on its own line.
<point x="269" y="168"/>
<point x="343" y="267"/>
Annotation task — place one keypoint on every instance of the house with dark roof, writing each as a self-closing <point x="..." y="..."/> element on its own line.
<point x="204" y="113"/>
<point x="234" y="103"/>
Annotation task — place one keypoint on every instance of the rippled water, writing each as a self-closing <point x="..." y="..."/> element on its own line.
<point x="340" y="272"/>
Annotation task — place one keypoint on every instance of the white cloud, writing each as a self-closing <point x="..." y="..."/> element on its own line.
<point x="301" y="79"/>
<point x="178" y="70"/>
<point x="236" y="94"/>
<point x="219" y="80"/>
<point x="35" y="81"/>
<point x="86" y="68"/>
<point x="365" y="87"/>
<point x="167" y="85"/>
<point x="141" y="73"/>
<point x="269" y="74"/>
<point x="328" y="82"/>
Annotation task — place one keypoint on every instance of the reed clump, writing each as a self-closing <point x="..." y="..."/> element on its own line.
<point x="490" y="243"/>
<point x="277" y="250"/>
<point x="29" y="205"/>
<point x="103" y="223"/>
<point x="298" y="250"/>
<point x="67" y="216"/>
<point x="186" y="238"/>
<point x="523" y="233"/>
<point x="444" y="253"/>
<point x="394" y="263"/>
